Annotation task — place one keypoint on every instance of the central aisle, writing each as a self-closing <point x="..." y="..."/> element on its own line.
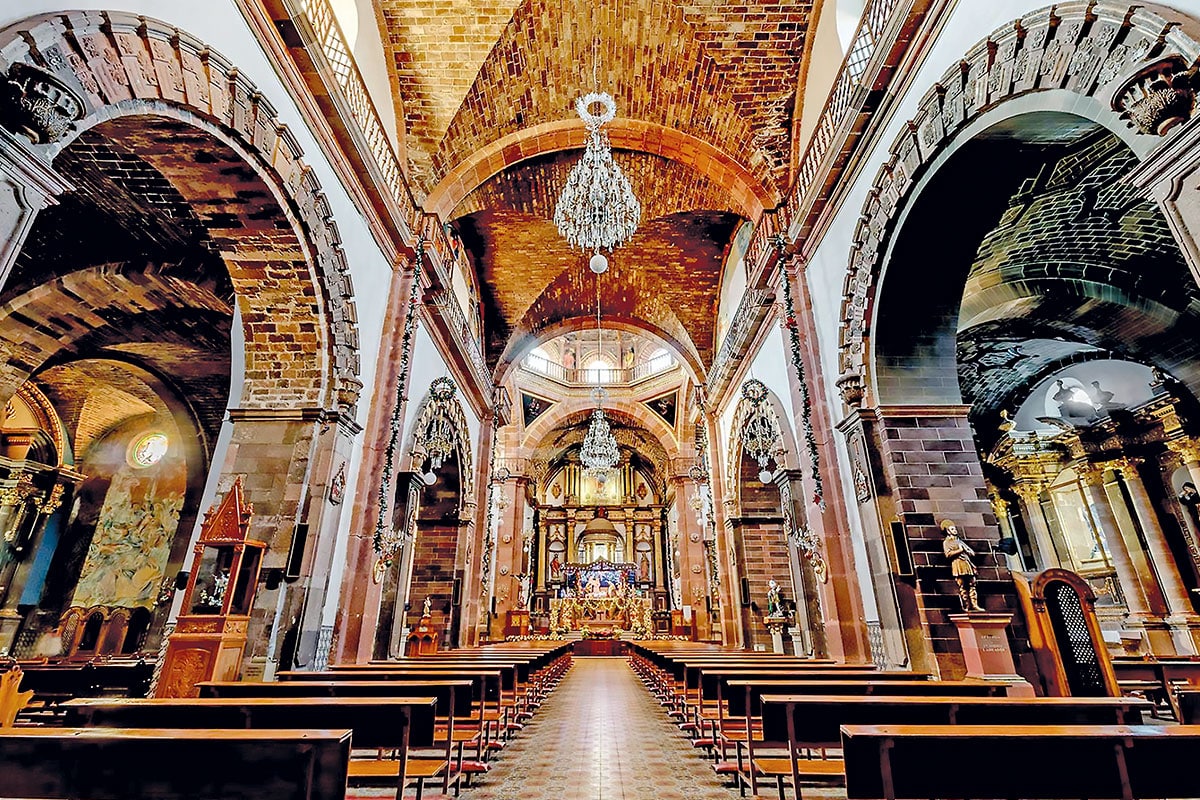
<point x="600" y="735"/>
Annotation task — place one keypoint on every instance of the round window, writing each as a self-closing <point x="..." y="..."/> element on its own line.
<point x="148" y="450"/>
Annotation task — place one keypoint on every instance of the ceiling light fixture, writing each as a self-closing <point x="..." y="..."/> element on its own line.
<point x="599" y="452"/>
<point x="597" y="208"/>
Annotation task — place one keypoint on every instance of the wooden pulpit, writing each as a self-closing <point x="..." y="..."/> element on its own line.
<point x="210" y="634"/>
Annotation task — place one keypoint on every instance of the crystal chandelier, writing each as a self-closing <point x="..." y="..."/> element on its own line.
<point x="597" y="208"/>
<point x="760" y="433"/>
<point x="599" y="452"/>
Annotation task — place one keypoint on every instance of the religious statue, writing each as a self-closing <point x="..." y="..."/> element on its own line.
<point x="774" y="604"/>
<point x="644" y="568"/>
<point x="427" y="608"/>
<point x="961" y="566"/>
<point x="1188" y="496"/>
<point x="1070" y="407"/>
<point x="555" y="568"/>
<point x="215" y="597"/>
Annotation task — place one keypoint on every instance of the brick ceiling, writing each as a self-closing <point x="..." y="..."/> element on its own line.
<point x="664" y="280"/>
<point x="469" y="74"/>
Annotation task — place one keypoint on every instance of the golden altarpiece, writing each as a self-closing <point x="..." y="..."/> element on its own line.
<point x="210" y="634"/>
<point x="603" y="560"/>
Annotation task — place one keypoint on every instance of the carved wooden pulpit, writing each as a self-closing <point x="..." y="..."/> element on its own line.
<point x="210" y="634"/>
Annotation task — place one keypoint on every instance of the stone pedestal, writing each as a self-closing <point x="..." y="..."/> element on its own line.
<point x="986" y="652"/>
<point x="797" y="636"/>
<point x="775" y="626"/>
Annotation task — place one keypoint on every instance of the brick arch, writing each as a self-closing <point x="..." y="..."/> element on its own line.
<point x="130" y="68"/>
<point x="1086" y="51"/>
<point x="747" y="193"/>
<point x="52" y="317"/>
<point x="520" y="346"/>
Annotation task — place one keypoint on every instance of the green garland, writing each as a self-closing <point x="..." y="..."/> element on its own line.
<point x="383" y="528"/>
<point x="810" y="439"/>
<point x="489" y="536"/>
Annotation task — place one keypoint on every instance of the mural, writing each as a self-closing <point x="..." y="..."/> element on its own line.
<point x="129" y="550"/>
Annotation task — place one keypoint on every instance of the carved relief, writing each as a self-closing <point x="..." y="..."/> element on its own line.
<point x="38" y="105"/>
<point x="1157" y="97"/>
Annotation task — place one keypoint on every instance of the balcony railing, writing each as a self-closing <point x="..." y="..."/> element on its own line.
<point x="606" y="376"/>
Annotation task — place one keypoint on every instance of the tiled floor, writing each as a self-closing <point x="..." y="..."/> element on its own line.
<point x="600" y="736"/>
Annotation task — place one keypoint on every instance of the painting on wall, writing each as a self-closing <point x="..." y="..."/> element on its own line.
<point x="129" y="551"/>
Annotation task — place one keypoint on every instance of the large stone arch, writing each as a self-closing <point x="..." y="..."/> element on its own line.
<point x="157" y="94"/>
<point x="123" y="67"/>
<point x="1093" y="52"/>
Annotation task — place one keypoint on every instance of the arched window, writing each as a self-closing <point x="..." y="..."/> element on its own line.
<point x="600" y="370"/>
<point x="660" y="360"/>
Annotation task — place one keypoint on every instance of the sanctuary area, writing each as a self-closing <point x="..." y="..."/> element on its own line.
<point x="584" y="400"/>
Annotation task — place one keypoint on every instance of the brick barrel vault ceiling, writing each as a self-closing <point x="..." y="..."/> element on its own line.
<point x="665" y="279"/>
<point x="724" y="73"/>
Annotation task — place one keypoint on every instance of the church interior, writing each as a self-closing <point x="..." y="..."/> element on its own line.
<point x="613" y="399"/>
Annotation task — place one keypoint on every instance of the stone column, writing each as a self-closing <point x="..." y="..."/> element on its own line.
<point x="27" y="185"/>
<point x="507" y="561"/>
<point x="844" y="630"/>
<point x="358" y="605"/>
<point x="1184" y="622"/>
<point x="1030" y="495"/>
<point x="1097" y="500"/>
<point x="1000" y="509"/>
<point x="693" y="561"/>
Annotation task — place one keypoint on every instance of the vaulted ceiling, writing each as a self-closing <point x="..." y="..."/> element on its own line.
<point x="705" y="92"/>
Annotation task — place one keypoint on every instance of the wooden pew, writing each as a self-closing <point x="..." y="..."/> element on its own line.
<point x="377" y="723"/>
<point x="54" y="682"/>
<point x="745" y="706"/>
<point x="1159" y="678"/>
<point x="812" y="723"/>
<point x="118" y="764"/>
<point x="884" y="762"/>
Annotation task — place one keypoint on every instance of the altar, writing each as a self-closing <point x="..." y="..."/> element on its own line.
<point x="624" y="612"/>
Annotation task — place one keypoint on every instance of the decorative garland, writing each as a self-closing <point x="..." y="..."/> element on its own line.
<point x="489" y="536"/>
<point x="386" y="542"/>
<point x="810" y="439"/>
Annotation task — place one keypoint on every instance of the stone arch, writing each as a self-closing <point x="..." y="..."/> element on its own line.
<point x="123" y="66"/>
<point x="578" y="408"/>
<point x="1093" y="52"/>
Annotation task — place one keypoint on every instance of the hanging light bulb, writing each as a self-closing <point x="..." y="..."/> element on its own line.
<point x="598" y="263"/>
<point x="765" y="475"/>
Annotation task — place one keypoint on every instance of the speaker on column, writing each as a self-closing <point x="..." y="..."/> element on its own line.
<point x="745" y="591"/>
<point x="456" y="592"/>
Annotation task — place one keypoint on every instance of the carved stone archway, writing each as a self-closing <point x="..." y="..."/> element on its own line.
<point x="1103" y="53"/>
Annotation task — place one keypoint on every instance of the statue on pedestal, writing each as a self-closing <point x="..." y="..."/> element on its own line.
<point x="961" y="566"/>
<point x="427" y="608"/>
<point x="774" y="603"/>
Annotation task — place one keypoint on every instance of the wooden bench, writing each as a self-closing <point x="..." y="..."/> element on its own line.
<point x="1157" y="679"/>
<point x="736" y="727"/>
<point x="377" y="723"/>
<point x="1131" y="762"/>
<point x="119" y="764"/>
<point x="811" y="724"/>
<point x="54" y="682"/>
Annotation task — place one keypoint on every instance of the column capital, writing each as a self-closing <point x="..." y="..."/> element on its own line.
<point x="1187" y="448"/>
<point x="1029" y="490"/>
<point x="999" y="505"/>
<point x="1127" y="466"/>
<point x="1092" y="473"/>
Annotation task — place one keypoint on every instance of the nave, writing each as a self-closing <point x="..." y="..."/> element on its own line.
<point x="601" y="736"/>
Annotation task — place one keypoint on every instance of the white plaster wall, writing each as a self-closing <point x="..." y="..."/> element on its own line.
<point x="219" y="24"/>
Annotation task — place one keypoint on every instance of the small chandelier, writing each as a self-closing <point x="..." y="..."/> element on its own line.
<point x="760" y="434"/>
<point x="599" y="452"/>
<point x="597" y="208"/>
